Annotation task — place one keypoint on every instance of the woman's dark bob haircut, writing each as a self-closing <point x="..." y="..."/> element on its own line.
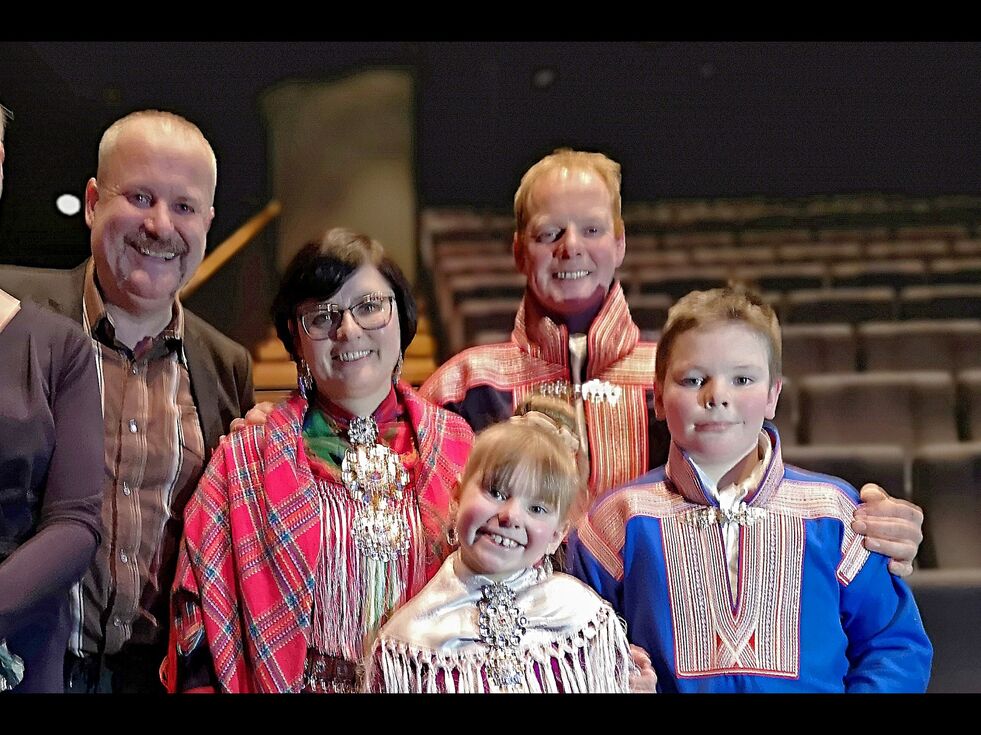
<point x="321" y="268"/>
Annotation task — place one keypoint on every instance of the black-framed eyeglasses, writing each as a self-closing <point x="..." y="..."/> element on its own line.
<point x="373" y="311"/>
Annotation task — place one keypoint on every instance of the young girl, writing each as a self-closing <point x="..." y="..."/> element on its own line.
<point x="495" y="618"/>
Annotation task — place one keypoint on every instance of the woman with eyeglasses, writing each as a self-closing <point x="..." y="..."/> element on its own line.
<point x="307" y="532"/>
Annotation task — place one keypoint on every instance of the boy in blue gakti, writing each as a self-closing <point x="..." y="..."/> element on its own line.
<point x="736" y="572"/>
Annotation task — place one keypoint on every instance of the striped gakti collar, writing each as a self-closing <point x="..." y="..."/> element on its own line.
<point x="683" y="474"/>
<point x="612" y="335"/>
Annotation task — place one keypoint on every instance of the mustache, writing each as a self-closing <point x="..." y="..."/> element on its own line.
<point x="149" y="242"/>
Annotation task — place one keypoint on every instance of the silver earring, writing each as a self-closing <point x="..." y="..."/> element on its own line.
<point x="304" y="380"/>
<point x="452" y="537"/>
<point x="397" y="373"/>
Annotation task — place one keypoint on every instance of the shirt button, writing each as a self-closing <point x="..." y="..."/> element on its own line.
<point x="132" y="426"/>
<point x="126" y="489"/>
<point x="123" y="557"/>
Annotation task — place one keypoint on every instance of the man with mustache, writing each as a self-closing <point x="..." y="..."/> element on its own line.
<point x="170" y="383"/>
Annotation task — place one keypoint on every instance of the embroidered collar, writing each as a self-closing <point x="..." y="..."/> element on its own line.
<point x="474" y="581"/>
<point x="684" y="475"/>
<point x="612" y="335"/>
<point x="325" y="433"/>
<point x="739" y="491"/>
<point x="388" y="410"/>
<point x="284" y="428"/>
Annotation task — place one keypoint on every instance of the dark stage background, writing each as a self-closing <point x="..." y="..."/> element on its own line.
<point x="684" y="119"/>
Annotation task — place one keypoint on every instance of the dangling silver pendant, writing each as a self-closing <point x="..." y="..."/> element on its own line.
<point x="501" y="624"/>
<point x="381" y="535"/>
<point x="375" y="479"/>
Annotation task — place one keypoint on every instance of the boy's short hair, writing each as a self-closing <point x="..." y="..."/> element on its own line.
<point x="602" y="166"/>
<point x="522" y="451"/>
<point x="718" y="306"/>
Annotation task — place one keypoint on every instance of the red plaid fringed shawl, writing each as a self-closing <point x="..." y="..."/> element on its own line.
<point x="246" y="571"/>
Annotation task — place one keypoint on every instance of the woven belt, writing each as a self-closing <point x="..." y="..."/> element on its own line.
<point x="329" y="674"/>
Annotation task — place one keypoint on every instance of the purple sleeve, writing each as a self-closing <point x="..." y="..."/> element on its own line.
<point x="482" y="406"/>
<point x="69" y="526"/>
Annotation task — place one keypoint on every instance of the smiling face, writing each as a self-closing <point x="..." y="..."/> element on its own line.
<point x="149" y="212"/>
<point x="569" y="249"/>
<point x="504" y="528"/>
<point x="353" y="366"/>
<point x="716" y="393"/>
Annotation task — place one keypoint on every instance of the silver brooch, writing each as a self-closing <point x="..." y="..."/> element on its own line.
<point x="556" y="389"/>
<point x="599" y="391"/>
<point x="592" y="391"/>
<point x="362" y="431"/>
<point x="502" y="624"/>
<point x="742" y="515"/>
<point x="375" y="479"/>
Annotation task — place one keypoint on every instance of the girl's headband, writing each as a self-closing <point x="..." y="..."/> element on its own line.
<point x="544" y="421"/>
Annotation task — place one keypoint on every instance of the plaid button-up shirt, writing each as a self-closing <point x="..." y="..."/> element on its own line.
<point x="154" y="458"/>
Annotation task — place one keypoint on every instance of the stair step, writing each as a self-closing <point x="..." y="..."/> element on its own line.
<point x="271" y="350"/>
<point x="422" y="345"/>
<point x="274" y="375"/>
<point x="415" y="370"/>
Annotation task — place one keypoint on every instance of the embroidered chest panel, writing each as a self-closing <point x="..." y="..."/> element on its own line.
<point x="761" y="633"/>
<point x="615" y="400"/>
<point x="618" y="438"/>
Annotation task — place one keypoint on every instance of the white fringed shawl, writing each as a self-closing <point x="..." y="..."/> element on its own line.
<point x="432" y="644"/>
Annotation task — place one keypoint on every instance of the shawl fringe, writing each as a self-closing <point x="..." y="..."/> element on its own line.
<point x="595" y="658"/>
